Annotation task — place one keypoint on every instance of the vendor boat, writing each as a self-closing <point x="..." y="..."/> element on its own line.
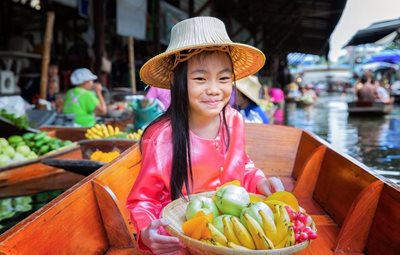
<point x="355" y="210"/>
<point x="369" y="108"/>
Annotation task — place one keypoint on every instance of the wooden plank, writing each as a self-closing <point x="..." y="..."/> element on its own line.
<point x="307" y="180"/>
<point x="339" y="183"/>
<point x="354" y="232"/>
<point x="272" y="149"/>
<point x="56" y="232"/>
<point x="307" y="145"/>
<point x="384" y="236"/>
<point x="117" y="228"/>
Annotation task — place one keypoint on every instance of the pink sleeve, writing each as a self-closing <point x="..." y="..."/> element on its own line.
<point x="252" y="176"/>
<point x="143" y="201"/>
<point x="151" y="93"/>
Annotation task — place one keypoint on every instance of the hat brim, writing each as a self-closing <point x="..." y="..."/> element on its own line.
<point x="246" y="60"/>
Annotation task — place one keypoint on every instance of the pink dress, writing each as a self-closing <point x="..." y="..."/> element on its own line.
<point x="212" y="166"/>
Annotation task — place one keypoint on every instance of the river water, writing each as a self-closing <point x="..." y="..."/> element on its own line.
<point x="375" y="141"/>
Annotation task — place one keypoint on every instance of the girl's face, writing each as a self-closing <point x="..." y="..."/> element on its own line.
<point x="209" y="83"/>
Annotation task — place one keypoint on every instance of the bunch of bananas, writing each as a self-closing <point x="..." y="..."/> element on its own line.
<point x="254" y="236"/>
<point x="100" y="131"/>
<point x="136" y="135"/>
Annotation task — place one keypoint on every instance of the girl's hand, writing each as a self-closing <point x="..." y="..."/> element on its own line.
<point x="160" y="244"/>
<point x="270" y="185"/>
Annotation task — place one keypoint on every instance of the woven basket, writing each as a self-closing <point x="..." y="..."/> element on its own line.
<point x="175" y="212"/>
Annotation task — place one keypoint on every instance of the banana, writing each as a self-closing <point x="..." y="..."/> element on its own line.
<point x="268" y="225"/>
<point x="110" y="130"/>
<point x="289" y="239"/>
<point x="96" y="130"/>
<point x="105" y="131"/>
<point x="237" y="247"/>
<point x="228" y="230"/>
<point x="281" y="225"/>
<point x="261" y="241"/>
<point x="216" y="235"/>
<point x="116" y="131"/>
<point x="91" y="135"/>
<point x="242" y="234"/>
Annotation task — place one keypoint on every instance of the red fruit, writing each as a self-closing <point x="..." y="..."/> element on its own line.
<point x="303" y="236"/>
<point x="307" y="229"/>
<point x="299" y="225"/>
<point x="302" y="217"/>
<point x="312" y="235"/>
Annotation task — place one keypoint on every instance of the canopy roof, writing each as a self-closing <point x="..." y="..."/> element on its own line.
<point x="303" y="26"/>
<point x="374" y="32"/>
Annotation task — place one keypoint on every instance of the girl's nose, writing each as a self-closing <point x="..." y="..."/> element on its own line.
<point x="212" y="88"/>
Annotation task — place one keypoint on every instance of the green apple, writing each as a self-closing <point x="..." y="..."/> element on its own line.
<point x="253" y="208"/>
<point x="201" y="203"/>
<point x="231" y="199"/>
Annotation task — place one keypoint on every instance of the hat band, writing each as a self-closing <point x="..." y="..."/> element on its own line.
<point x="182" y="56"/>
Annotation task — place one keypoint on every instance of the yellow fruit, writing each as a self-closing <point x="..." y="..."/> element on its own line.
<point x="256" y="198"/>
<point x="285" y="197"/>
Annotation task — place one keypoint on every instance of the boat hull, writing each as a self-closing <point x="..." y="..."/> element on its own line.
<point x="340" y="193"/>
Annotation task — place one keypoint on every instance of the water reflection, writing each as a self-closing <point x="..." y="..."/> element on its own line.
<point x="373" y="141"/>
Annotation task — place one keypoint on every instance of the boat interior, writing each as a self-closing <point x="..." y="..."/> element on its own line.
<point x="355" y="211"/>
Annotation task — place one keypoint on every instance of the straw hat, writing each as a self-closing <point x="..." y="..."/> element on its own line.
<point x="250" y="87"/>
<point x="197" y="35"/>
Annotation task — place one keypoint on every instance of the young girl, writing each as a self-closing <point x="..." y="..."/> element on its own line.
<point x="198" y="143"/>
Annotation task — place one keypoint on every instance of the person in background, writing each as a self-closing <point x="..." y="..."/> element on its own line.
<point x="162" y="95"/>
<point x="198" y="144"/>
<point x="82" y="101"/>
<point x="381" y="94"/>
<point x="247" y="100"/>
<point x="367" y="92"/>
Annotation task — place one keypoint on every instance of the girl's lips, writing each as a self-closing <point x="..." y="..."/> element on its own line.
<point x="212" y="103"/>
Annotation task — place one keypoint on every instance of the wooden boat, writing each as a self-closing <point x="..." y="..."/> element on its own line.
<point x="38" y="176"/>
<point x="303" y="104"/>
<point x="369" y="108"/>
<point x="355" y="210"/>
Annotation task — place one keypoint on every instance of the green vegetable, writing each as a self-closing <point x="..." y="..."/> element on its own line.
<point x="15" y="139"/>
<point x="28" y="136"/>
<point x="21" y="121"/>
<point x="39" y="136"/>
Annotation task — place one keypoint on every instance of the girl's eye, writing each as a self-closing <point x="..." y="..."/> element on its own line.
<point x="225" y="78"/>
<point x="199" y="79"/>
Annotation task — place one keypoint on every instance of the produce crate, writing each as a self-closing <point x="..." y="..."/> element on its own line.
<point x="104" y="145"/>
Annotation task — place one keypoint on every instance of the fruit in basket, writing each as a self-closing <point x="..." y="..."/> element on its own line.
<point x="201" y="203"/>
<point x="253" y="210"/>
<point x="242" y="233"/>
<point x="260" y="239"/>
<point x="100" y="131"/>
<point x="216" y="235"/>
<point x="231" y="199"/>
<point x="197" y="227"/>
<point x="285" y="198"/>
<point x="217" y="222"/>
<point x="228" y="229"/>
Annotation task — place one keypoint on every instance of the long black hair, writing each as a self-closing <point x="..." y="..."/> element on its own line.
<point x="178" y="114"/>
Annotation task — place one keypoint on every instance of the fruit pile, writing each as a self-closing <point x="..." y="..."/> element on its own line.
<point x="236" y="219"/>
<point x="105" y="157"/>
<point x="29" y="146"/>
<point x="100" y="131"/>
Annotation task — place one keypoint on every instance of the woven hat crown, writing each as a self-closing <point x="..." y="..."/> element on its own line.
<point x="193" y="36"/>
<point x="250" y="87"/>
<point x="197" y="32"/>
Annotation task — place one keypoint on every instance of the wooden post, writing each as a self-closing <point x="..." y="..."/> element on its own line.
<point x="132" y="72"/>
<point x="46" y="54"/>
<point x="99" y="46"/>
